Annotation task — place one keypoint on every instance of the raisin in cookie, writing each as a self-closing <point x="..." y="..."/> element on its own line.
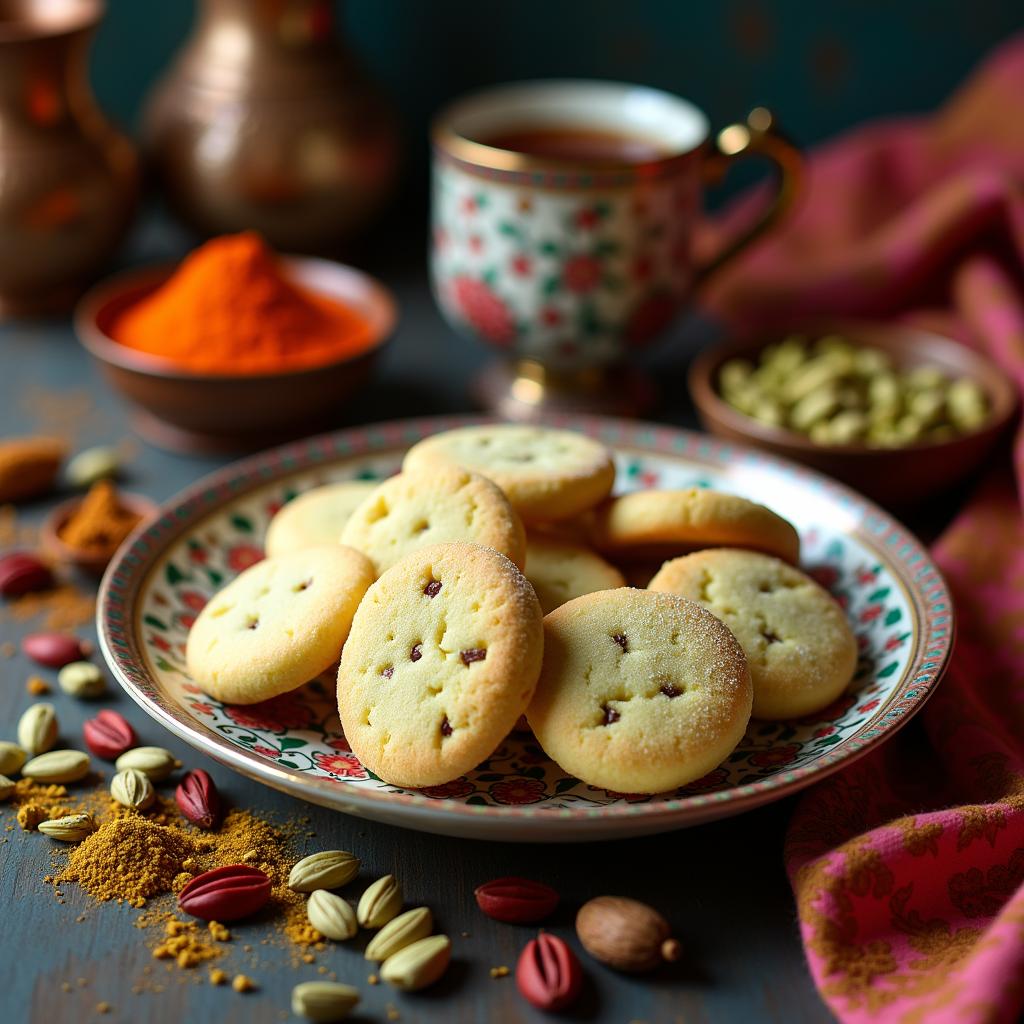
<point x="442" y="659"/>
<point x="667" y="523"/>
<point x="640" y="692"/>
<point x="547" y="474"/>
<point x="277" y="625"/>
<point x="433" y="506"/>
<point x="316" y="517"/>
<point x="560" y="571"/>
<point x="801" y="650"/>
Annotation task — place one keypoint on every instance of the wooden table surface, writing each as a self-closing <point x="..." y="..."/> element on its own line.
<point x="722" y="885"/>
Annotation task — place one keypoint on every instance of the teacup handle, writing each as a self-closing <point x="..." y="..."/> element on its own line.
<point x="757" y="136"/>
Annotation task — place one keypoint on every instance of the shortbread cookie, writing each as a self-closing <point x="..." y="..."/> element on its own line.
<point x="277" y="625"/>
<point x="436" y="505"/>
<point x="442" y="659"/>
<point x="547" y="474"/>
<point x="640" y="692"/>
<point x="316" y="517"/>
<point x="560" y="571"/>
<point x="667" y="523"/>
<point x="801" y="650"/>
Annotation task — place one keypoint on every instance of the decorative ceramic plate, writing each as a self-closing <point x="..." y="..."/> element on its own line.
<point x="894" y="596"/>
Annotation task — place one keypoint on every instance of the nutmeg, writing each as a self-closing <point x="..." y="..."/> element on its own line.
<point x="625" y="934"/>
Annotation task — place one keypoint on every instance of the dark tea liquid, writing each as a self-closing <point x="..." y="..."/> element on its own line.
<point x="578" y="144"/>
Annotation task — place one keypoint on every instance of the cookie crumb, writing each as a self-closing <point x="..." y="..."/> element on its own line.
<point x="243" y="983"/>
<point x="218" y="977"/>
<point x="372" y="979"/>
<point x="103" y="1007"/>
<point x="392" y="1012"/>
<point x="65" y="986"/>
<point x="499" y="972"/>
<point x="219" y="932"/>
<point x="308" y="958"/>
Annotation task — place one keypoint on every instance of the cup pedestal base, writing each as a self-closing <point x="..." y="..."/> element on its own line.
<point x="525" y="391"/>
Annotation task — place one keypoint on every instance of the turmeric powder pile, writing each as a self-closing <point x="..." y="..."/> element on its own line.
<point x="148" y="858"/>
<point x="231" y="308"/>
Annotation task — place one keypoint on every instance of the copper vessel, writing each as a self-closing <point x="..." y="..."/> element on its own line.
<point x="68" y="180"/>
<point x="266" y="121"/>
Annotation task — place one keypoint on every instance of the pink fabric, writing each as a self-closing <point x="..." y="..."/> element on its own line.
<point x="908" y="867"/>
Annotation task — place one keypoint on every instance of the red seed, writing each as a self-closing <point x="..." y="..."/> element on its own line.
<point x="225" y="894"/>
<point x="516" y="900"/>
<point x="198" y="799"/>
<point x="22" y="573"/>
<point x="109" y="735"/>
<point x="548" y="973"/>
<point x="54" y="650"/>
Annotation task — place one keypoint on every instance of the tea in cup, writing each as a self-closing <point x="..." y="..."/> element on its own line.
<point x="563" y="215"/>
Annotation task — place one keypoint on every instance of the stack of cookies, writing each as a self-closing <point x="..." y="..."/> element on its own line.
<point x="488" y="580"/>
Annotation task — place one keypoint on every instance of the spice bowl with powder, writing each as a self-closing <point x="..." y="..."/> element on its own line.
<point x="85" y="532"/>
<point x="237" y="347"/>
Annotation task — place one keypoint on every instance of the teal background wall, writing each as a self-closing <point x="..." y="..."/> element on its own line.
<point x="822" y="66"/>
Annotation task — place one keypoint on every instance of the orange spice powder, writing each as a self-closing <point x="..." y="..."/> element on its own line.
<point x="230" y="308"/>
<point x="101" y="522"/>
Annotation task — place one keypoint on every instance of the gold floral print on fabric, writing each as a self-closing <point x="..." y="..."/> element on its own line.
<point x="864" y="971"/>
<point x="918" y="841"/>
<point x="979" y="821"/>
<point x="977" y="893"/>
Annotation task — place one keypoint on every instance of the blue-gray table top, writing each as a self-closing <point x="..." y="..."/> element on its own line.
<point x="722" y="885"/>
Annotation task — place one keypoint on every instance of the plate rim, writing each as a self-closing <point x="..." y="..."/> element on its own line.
<point x="138" y="557"/>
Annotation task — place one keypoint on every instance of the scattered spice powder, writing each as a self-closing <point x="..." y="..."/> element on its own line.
<point x="30" y="815"/>
<point x="65" y="414"/>
<point x="14" y="534"/>
<point x="61" y="608"/>
<point x="37" y="686"/>
<point x="184" y="944"/>
<point x="157" y="853"/>
<point x="232" y="308"/>
<point x="100" y="522"/>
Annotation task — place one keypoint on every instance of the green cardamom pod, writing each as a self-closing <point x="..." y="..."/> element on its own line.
<point x="72" y="828"/>
<point x="329" y="869"/>
<point x="132" y="788"/>
<point x="380" y="903"/>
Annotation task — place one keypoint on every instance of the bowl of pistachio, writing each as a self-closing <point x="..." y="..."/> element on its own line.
<point x="897" y="412"/>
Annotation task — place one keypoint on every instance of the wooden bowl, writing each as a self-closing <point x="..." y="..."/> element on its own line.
<point x="184" y="410"/>
<point x="892" y="476"/>
<point x="93" y="562"/>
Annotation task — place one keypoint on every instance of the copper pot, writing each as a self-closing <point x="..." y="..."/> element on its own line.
<point x="265" y="121"/>
<point x="68" y="180"/>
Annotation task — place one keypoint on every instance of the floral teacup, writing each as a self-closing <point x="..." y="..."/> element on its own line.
<point x="567" y="262"/>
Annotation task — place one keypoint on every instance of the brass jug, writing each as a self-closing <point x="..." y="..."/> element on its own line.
<point x="265" y="121"/>
<point x="68" y="180"/>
